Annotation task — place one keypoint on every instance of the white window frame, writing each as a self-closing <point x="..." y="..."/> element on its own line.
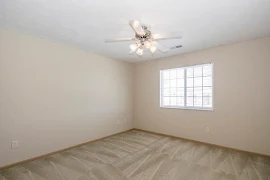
<point x="185" y="89"/>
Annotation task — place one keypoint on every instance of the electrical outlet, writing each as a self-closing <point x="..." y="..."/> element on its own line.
<point x="207" y="129"/>
<point x="118" y="122"/>
<point x="14" y="144"/>
<point x="125" y="120"/>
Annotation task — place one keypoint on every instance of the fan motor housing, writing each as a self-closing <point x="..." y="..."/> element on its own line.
<point x="145" y="37"/>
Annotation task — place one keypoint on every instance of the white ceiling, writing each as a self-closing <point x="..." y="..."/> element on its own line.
<point x="86" y="23"/>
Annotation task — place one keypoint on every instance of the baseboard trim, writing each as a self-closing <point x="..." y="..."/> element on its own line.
<point x="61" y="150"/>
<point x="219" y="146"/>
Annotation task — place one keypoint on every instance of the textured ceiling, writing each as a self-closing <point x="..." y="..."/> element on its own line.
<point x="86" y="23"/>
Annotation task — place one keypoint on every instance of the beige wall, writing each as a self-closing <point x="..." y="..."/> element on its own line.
<point x="241" y="116"/>
<point x="53" y="96"/>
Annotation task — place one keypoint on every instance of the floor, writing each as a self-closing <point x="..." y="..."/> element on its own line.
<point x="140" y="155"/>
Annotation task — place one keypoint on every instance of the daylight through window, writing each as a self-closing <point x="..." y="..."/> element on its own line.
<point x="187" y="87"/>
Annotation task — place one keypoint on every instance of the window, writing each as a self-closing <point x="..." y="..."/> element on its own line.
<point x="187" y="87"/>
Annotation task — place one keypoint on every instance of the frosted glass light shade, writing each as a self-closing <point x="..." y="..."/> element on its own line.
<point x="133" y="47"/>
<point x="153" y="49"/>
<point x="147" y="44"/>
<point x="140" y="51"/>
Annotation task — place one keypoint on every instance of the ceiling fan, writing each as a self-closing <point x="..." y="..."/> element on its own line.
<point x="145" y="39"/>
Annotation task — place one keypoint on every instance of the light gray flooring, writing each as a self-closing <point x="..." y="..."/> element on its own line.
<point x="144" y="156"/>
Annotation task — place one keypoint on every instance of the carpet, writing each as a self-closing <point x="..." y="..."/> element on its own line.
<point x="144" y="156"/>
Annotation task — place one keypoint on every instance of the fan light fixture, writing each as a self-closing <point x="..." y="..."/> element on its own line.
<point x="144" y="39"/>
<point x="138" y="47"/>
<point x="133" y="47"/>
<point x="153" y="49"/>
<point x="147" y="44"/>
<point x="140" y="51"/>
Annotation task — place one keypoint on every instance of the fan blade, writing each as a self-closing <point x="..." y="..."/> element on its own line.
<point x="157" y="37"/>
<point x="136" y="26"/>
<point x="119" y="40"/>
<point x="161" y="48"/>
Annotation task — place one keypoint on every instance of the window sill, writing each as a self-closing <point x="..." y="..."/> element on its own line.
<point x="188" y="108"/>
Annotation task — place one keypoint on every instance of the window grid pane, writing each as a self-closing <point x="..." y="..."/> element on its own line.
<point x="187" y="87"/>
